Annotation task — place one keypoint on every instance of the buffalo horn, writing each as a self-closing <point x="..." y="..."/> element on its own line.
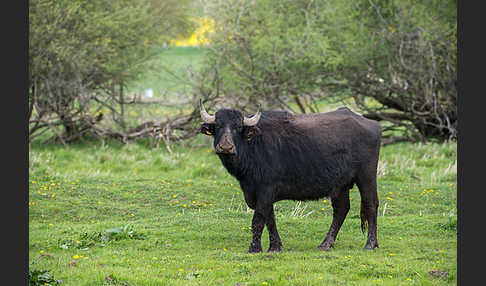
<point x="205" y="115"/>
<point x="252" y="121"/>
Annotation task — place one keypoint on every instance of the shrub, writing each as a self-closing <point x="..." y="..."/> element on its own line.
<point x="394" y="59"/>
<point x="83" y="53"/>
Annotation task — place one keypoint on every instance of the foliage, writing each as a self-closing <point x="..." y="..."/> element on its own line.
<point x="401" y="66"/>
<point x="268" y="51"/>
<point x="89" y="239"/>
<point x="395" y="59"/>
<point x="41" y="277"/>
<point x="82" y="53"/>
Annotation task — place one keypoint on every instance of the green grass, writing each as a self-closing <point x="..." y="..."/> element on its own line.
<point x="133" y="215"/>
<point x="168" y="71"/>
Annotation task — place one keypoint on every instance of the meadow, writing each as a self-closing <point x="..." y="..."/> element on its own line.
<point x="109" y="213"/>
<point x="128" y="214"/>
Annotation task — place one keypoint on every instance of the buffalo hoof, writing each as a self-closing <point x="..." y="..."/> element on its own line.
<point x="371" y="245"/>
<point x="326" y="246"/>
<point x="274" y="249"/>
<point x="254" y="250"/>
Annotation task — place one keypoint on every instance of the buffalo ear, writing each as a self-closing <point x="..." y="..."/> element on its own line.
<point x="251" y="131"/>
<point x="207" y="129"/>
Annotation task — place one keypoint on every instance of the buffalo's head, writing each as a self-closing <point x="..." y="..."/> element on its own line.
<point x="229" y="128"/>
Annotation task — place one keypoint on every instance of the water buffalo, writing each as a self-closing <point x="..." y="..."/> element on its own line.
<point x="276" y="155"/>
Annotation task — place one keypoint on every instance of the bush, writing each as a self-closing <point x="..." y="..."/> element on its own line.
<point x="42" y="277"/>
<point x="82" y="53"/>
<point x="268" y="51"/>
<point x="401" y="66"/>
<point x="395" y="59"/>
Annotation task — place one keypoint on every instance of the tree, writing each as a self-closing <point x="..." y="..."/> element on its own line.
<point x="394" y="59"/>
<point x="82" y="53"/>
<point x="268" y="51"/>
<point x="401" y="66"/>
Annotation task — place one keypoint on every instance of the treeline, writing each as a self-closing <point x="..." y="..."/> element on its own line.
<point x="395" y="60"/>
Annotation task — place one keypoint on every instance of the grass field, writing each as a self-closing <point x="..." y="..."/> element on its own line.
<point x="119" y="214"/>
<point x="168" y="72"/>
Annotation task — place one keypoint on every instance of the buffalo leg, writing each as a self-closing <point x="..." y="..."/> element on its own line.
<point x="340" y="207"/>
<point x="263" y="209"/>
<point x="275" y="242"/>
<point x="369" y="209"/>
<point x="257" y="224"/>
